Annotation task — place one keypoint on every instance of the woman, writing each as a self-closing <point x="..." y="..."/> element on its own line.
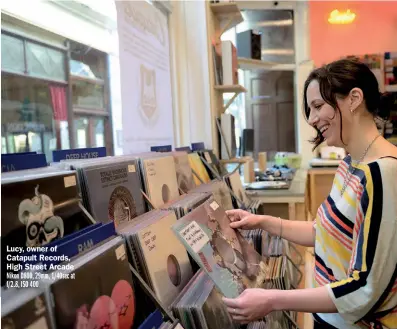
<point x="355" y="230"/>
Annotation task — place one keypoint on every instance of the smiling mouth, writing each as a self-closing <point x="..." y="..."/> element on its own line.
<point x="323" y="129"/>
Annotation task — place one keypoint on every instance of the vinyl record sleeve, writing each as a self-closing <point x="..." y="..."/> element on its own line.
<point x="24" y="308"/>
<point x="220" y="192"/>
<point x="197" y="165"/>
<point x="102" y="292"/>
<point x="114" y="192"/>
<point x="163" y="255"/>
<point x="160" y="178"/>
<point x="184" y="173"/>
<point x="230" y="261"/>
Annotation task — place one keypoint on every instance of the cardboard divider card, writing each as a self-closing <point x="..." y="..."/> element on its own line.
<point x="198" y="146"/>
<point x="83" y="153"/>
<point x="161" y="148"/>
<point x="195" y="236"/>
<point x="22" y="161"/>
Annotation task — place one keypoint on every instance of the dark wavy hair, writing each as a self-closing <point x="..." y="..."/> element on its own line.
<point x="337" y="79"/>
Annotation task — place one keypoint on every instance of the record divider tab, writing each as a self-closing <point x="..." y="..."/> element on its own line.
<point x="151" y="294"/>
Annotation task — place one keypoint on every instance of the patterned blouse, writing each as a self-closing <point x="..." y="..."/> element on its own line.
<point x="356" y="246"/>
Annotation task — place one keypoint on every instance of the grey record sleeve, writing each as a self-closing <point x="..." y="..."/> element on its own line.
<point x="114" y="192"/>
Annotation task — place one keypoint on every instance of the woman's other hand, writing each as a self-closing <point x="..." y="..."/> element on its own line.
<point x="251" y="305"/>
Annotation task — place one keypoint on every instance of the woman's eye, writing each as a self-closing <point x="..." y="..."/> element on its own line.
<point x="318" y="107"/>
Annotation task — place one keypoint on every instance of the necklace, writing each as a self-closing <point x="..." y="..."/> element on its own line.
<point x="351" y="172"/>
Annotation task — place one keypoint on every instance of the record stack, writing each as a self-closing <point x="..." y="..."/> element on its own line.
<point x="230" y="261"/>
<point x="39" y="206"/>
<point x="215" y="169"/>
<point x="157" y="254"/>
<point x="199" y="172"/>
<point x="110" y="188"/>
<point x="158" y="176"/>
<point x="200" y="305"/>
<point x="241" y="199"/>
<point x="184" y="172"/>
<point x="186" y="203"/>
<point x="219" y="191"/>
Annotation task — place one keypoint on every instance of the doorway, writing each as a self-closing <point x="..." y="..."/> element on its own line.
<point x="270" y="110"/>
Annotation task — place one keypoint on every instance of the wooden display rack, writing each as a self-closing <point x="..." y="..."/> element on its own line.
<point x="220" y="18"/>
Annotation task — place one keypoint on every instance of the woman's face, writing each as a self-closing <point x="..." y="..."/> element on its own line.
<point x="327" y="119"/>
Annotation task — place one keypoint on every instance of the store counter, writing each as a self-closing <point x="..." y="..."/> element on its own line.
<point x="285" y="203"/>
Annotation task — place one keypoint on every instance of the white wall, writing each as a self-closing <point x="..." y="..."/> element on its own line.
<point x="190" y="77"/>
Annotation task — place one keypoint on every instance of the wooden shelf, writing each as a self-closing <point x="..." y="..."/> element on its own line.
<point x="255" y="64"/>
<point x="231" y="88"/>
<point x="225" y="8"/>
<point x="228" y="16"/>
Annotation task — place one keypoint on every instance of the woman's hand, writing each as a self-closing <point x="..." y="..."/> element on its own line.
<point x="251" y="305"/>
<point x="244" y="220"/>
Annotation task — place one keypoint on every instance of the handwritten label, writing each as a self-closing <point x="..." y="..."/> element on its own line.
<point x="214" y="205"/>
<point x="120" y="252"/>
<point x="151" y="168"/>
<point x="194" y="236"/>
<point x="207" y="157"/>
<point x="69" y="181"/>
<point x="131" y="168"/>
<point x="149" y="240"/>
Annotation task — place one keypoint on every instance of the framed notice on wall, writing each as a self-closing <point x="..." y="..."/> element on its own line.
<point x="145" y="76"/>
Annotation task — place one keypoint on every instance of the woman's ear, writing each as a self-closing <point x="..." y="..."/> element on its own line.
<point x="356" y="98"/>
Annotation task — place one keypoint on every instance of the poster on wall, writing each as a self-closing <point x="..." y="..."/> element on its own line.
<point x="145" y="76"/>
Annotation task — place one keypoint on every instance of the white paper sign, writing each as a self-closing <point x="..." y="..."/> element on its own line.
<point x="131" y="168"/>
<point x="214" y="205"/>
<point x="145" y="76"/>
<point x="69" y="181"/>
<point x="194" y="236"/>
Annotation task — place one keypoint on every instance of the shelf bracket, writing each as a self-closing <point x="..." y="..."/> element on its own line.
<point x="231" y="100"/>
<point x="228" y="24"/>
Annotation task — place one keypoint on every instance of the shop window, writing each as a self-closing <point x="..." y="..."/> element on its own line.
<point x="12" y="56"/>
<point x="87" y="94"/>
<point x="33" y="115"/>
<point x="45" y="62"/>
<point x="89" y="131"/>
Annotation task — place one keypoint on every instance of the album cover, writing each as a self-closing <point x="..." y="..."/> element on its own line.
<point x="159" y="177"/>
<point x="236" y="185"/>
<point x="230" y="261"/>
<point x="159" y="254"/>
<point x="217" y="169"/>
<point x="198" y="167"/>
<point x="114" y="192"/>
<point x="220" y="192"/>
<point x="24" y="308"/>
<point x="186" y="203"/>
<point x="100" y="292"/>
<point x="183" y="171"/>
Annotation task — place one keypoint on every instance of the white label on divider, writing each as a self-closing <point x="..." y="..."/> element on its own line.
<point x="214" y="205"/>
<point x="120" y="252"/>
<point x="207" y="157"/>
<point x="194" y="236"/>
<point x="131" y="168"/>
<point x="39" y="324"/>
<point x="70" y="181"/>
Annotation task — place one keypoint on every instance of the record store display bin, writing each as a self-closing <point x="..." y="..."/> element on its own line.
<point x="137" y="241"/>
